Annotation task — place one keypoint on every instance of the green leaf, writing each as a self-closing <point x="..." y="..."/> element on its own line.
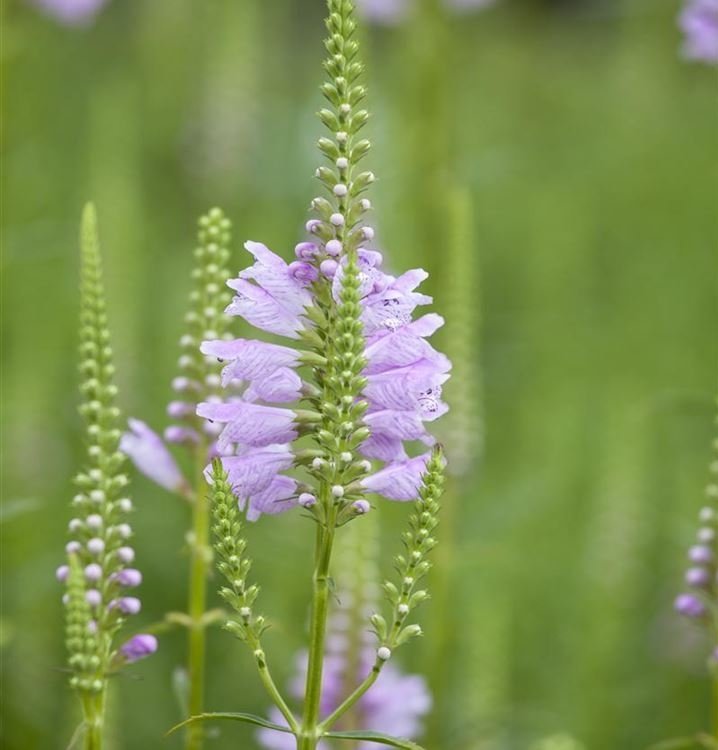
<point x="381" y="739"/>
<point x="246" y="718"/>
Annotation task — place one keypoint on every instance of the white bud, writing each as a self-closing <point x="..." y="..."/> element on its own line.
<point x="97" y="496"/>
<point x="317" y="463"/>
<point x="342" y="162"/>
<point x="338" y="490"/>
<point x="340" y="190"/>
<point x="346" y="457"/>
<point x="403" y="609"/>
<point x="125" y="504"/>
<point x="345" y="108"/>
<point x="342" y="137"/>
<point x="94" y="522"/>
<point x="337" y="219"/>
<point x="367" y="233"/>
<point x="384" y="653"/>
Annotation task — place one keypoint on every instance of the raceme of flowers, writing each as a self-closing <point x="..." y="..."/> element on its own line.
<point x="403" y="373"/>
<point x="99" y="573"/>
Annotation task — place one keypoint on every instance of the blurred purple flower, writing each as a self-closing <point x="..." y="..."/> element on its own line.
<point x="139" y="647"/>
<point x="389" y="12"/>
<point x="699" y="23"/>
<point x="71" y="12"/>
<point x="150" y="455"/>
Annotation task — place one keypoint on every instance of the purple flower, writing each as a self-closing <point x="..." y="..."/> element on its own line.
<point x="256" y="480"/>
<point x="699" y="23"/>
<point x="250" y="424"/>
<point x="399" y="480"/>
<point x="404" y="373"/>
<point x="248" y="359"/>
<point x="701" y="554"/>
<point x="150" y="455"/>
<point x="698" y="577"/>
<point x="276" y="302"/>
<point x="138" y="647"/>
<point x="71" y="12"/>
<point x="690" y="606"/>
<point x="128" y="605"/>
<point x="128" y="577"/>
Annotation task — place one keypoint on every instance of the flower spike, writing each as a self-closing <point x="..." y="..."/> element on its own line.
<point x="97" y="575"/>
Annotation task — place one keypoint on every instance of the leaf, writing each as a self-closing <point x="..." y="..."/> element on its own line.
<point x="381" y="739"/>
<point x="246" y="718"/>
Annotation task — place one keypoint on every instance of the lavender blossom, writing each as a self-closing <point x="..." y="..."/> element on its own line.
<point x="71" y="12"/>
<point x="699" y="23"/>
<point x="150" y="455"/>
<point x="138" y="647"/>
<point x="95" y="573"/>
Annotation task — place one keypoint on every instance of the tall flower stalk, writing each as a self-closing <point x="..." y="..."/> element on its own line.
<point x="98" y="573"/>
<point x="361" y="382"/>
<point x="197" y="381"/>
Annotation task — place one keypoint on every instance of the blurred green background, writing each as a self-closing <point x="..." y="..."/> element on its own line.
<point x="587" y="353"/>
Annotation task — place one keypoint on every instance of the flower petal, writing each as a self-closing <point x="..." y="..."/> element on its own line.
<point x="399" y="480"/>
<point x="150" y="455"/>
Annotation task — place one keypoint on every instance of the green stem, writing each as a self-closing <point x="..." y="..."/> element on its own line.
<point x="371" y="678"/>
<point x="309" y="736"/>
<point x="715" y="707"/>
<point x="271" y="687"/>
<point x="199" y="568"/>
<point x="94" y="714"/>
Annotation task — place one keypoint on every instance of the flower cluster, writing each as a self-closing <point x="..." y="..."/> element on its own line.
<point x="99" y="574"/>
<point x="199" y="378"/>
<point x="699" y="22"/>
<point x="397" y="702"/>
<point x="700" y="601"/>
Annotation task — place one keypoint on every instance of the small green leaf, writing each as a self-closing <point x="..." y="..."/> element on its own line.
<point x="246" y="718"/>
<point x="381" y="739"/>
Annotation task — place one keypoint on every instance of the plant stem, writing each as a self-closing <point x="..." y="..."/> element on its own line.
<point x="371" y="678"/>
<point x="308" y="737"/>
<point x="715" y="707"/>
<point x="199" y="565"/>
<point x="94" y="715"/>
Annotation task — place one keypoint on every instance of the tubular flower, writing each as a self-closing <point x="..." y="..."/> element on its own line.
<point x="97" y="574"/>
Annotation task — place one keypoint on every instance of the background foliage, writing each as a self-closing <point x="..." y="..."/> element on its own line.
<point x="590" y="153"/>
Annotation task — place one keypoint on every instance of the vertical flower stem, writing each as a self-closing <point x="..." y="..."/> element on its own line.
<point x="93" y="707"/>
<point x="199" y="565"/>
<point x="715" y="707"/>
<point x="318" y="630"/>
